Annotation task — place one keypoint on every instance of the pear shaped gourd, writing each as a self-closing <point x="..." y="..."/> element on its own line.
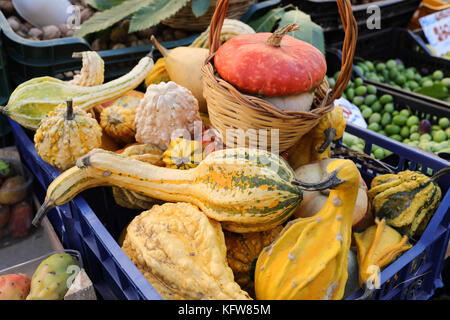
<point x="183" y="64"/>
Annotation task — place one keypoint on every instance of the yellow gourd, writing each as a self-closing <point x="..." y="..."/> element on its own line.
<point x="309" y="259"/>
<point x="377" y="247"/>
<point x="66" y="134"/>
<point x="158" y="74"/>
<point x="183" y="64"/>
<point x="315" y="145"/>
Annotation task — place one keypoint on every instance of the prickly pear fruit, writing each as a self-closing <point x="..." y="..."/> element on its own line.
<point x="20" y="220"/>
<point x="14" y="286"/>
<point x="5" y="213"/>
<point x="50" y="280"/>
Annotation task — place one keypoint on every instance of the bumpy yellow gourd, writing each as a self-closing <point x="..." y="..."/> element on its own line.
<point x="377" y="247"/>
<point x="182" y="253"/>
<point x="242" y="251"/>
<point x="118" y="119"/>
<point x="309" y="259"/>
<point x="183" y="154"/>
<point x="158" y="73"/>
<point x="66" y="134"/>
<point x="330" y="127"/>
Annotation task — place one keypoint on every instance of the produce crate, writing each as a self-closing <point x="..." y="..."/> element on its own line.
<point x="114" y="276"/>
<point x="416" y="274"/>
<point x="419" y="107"/>
<point x="394" y="13"/>
<point x="92" y="223"/>
<point x="422" y="42"/>
<point x="393" y="43"/>
<point x="28" y="59"/>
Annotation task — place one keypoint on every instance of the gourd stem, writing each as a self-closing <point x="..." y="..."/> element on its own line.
<point x="366" y="294"/>
<point x="46" y="206"/>
<point x="161" y="49"/>
<point x="276" y="37"/>
<point x="440" y="173"/>
<point x="330" y="133"/>
<point x="332" y="181"/>
<point x="69" y="114"/>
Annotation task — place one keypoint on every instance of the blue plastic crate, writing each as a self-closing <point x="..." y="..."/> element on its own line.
<point x="91" y="223"/>
<point x="417" y="273"/>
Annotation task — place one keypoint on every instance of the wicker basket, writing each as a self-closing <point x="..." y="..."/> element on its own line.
<point x="186" y="20"/>
<point x="230" y="109"/>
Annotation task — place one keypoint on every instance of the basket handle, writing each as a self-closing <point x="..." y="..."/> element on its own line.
<point x="348" y="48"/>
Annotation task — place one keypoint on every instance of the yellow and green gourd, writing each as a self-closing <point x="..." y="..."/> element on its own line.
<point x="34" y="99"/>
<point x="66" y="134"/>
<point x="407" y="200"/>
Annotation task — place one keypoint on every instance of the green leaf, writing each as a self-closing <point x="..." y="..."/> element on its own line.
<point x="267" y="22"/>
<point x="437" y="91"/>
<point x="199" y="7"/>
<point x="154" y="13"/>
<point x="111" y="16"/>
<point x="309" y="31"/>
<point x="102" y="5"/>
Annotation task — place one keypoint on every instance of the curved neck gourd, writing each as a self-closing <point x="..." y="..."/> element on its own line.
<point x="33" y="100"/>
<point x="245" y="192"/>
<point x="308" y="261"/>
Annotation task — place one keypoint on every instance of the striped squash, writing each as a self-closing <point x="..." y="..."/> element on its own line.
<point x="247" y="190"/>
<point x="33" y="100"/>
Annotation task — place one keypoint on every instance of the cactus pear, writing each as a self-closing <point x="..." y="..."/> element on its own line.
<point x="20" y="220"/>
<point x="4" y="215"/>
<point x="50" y="280"/>
<point x="14" y="286"/>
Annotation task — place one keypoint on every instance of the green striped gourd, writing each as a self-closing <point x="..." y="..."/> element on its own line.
<point x="244" y="189"/>
<point x="34" y="99"/>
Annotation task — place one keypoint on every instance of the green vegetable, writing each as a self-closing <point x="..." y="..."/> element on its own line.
<point x="444" y="123"/>
<point x="385" y="98"/>
<point x="439" y="136"/>
<point x="399" y="120"/>
<point x="412" y="120"/>
<point x="392" y="129"/>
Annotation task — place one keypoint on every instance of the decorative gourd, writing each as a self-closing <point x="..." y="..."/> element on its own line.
<point x="183" y="154"/>
<point x="309" y="259"/>
<point x="66" y="134"/>
<point x="246" y="189"/>
<point x="92" y="72"/>
<point x="407" y="200"/>
<point x="118" y="119"/>
<point x="377" y="247"/>
<point x="182" y="253"/>
<point x="296" y="102"/>
<point x="183" y="64"/>
<point x="313" y="201"/>
<point x="271" y="64"/>
<point x="34" y="99"/>
<point x="242" y="251"/>
<point x="131" y="199"/>
<point x="166" y="109"/>
<point x="74" y="180"/>
<point x="230" y="29"/>
<point x="158" y="74"/>
<point x="315" y="145"/>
